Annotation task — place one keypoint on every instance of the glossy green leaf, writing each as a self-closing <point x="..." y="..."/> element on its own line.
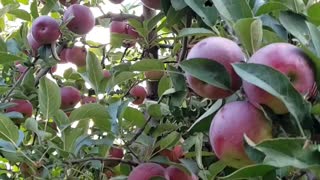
<point x="96" y="112"/>
<point x="270" y="7"/>
<point x="252" y="171"/>
<point x="233" y="10"/>
<point x="147" y="65"/>
<point x="94" y="71"/>
<point x="195" y="31"/>
<point x="207" y="13"/>
<point x="8" y="130"/>
<point x="250" y="33"/>
<point x="9" y="58"/>
<point x="208" y="71"/>
<point x="49" y="97"/>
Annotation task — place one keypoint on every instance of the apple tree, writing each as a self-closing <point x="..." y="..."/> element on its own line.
<point x="183" y="89"/>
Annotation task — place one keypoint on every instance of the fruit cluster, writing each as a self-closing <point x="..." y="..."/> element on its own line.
<point x="239" y="118"/>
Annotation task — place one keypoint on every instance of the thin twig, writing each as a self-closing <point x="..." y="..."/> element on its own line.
<point x="75" y="161"/>
<point x="184" y="50"/>
<point x="118" y="17"/>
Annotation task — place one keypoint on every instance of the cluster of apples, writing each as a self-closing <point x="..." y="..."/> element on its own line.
<point x="236" y="119"/>
<point x="146" y="171"/>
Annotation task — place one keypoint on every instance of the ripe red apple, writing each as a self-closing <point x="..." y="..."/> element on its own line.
<point x="116" y="1"/>
<point x="62" y="56"/>
<point x="153" y="4"/>
<point x="114" y="152"/>
<point x="173" y="155"/>
<point x="290" y="61"/>
<point x="67" y="3"/>
<point x="76" y="55"/>
<point x="88" y="100"/>
<point x="70" y="96"/>
<point x="174" y="173"/>
<point x="223" y="51"/>
<point x="228" y="128"/>
<point x="22" y="106"/>
<point x="146" y="171"/>
<point x="106" y="74"/>
<point x="131" y="31"/>
<point x="122" y="27"/>
<point x="118" y="27"/>
<point x="139" y="93"/>
<point x="53" y="69"/>
<point x="33" y="44"/>
<point x="83" y="20"/>
<point x="45" y="30"/>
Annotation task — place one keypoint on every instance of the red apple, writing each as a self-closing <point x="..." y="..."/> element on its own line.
<point x="68" y="2"/>
<point x="153" y="75"/>
<point x="114" y="152"/>
<point x="62" y="56"/>
<point x="153" y="4"/>
<point x="83" y="20"/>
<point x="139" y="93"/>
<point x="290" y="61"/>
<point x="146" y="171"/>
<point x="33" y="44"/>
<point x="228" y="128"/>
<point x="223" y="51"/>
<point x="106" y="74"/>
<point x="22" y="106"/>
<point x="174" y="173"/>
<point x="88" y="100"/>
<point x="131" y="31"/>
<point x="53" y="69"/>
<point x="70" y="96"/>
<point x="118" y="27"/>
<point x="76" y="55"/>
<point x="45" y="30"/>
<point x="116" y="1"/>
<point x="174" y="155"/>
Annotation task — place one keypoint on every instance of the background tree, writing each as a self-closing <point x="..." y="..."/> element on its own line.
<point x="188" y="89"/>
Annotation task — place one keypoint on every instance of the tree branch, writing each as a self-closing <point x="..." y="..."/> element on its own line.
<point x="184" y="50"/>
<point x="75" y="161"/>
<point x="118" y="17"/>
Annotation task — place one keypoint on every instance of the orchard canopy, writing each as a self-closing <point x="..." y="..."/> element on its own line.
<point x="160" y="89"/>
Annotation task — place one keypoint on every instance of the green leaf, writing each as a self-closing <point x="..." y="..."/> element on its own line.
<point x="198" y="149"/>
<point x="195" y="31"/>
<point x="121" y="77"/>
<point x="164" y="84"/>
<point x="295" y="24"/>
<point x="22" y="14"/>
<point x="215" y="107"/>
<point x="252" y="171"/>
<point x="178" y="4"/>
<point x="6" y="58"/>
<point x="208" y="14"/>
<point x="158" y="110"/>
<point x="133" y="117"/>
<point x="270" y="7"/>
<point x="314" y="13"/>
<point x="49" y="5"/>
<point x="8" y="130"/>
<point x="208" y="71"/>
<point x="233" y="10"/>
<point x="276" y="84"/>
<point x="250" y="33"/>
<point x="169" y="141"/>
<point x="147" y="65"/>
<point x="49" y="97"/>
<point x="216" y="168"/>
<point x="289" y="152"/>
<point x="94" y="71"/>
<point x="34" y="9"/>
<point x="96" y="112"/>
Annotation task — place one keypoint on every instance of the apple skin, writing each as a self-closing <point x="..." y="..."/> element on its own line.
<point x="173" y="155"/>
<point x="62" y="56"/>
<point x="153" y="75"/>
<point x="45" y="30"/>
<point x="139" y="93"/>
<point x="114" y="152"/>
<point x="228" y="127"/>
<point x="22" y="106"/>
<point x="118" y="27"/>
<point x="290" y="61"/>
<point x="223" y="51"/>
<point x="174" y="173"/>
<point x="116" y="1"/>
<point x="70" y="96"/>
<point x="76" y="55"/>
<point x="122" y="27"/>
<point x="146" y="171"/>
<point x="67" y="3"/>
<point x="83" y="20"/>
<point x="88" y="100"/>
<point x="33" y="44"/>
<point x="152" y="4"/>
<point x="106" y="74"/>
